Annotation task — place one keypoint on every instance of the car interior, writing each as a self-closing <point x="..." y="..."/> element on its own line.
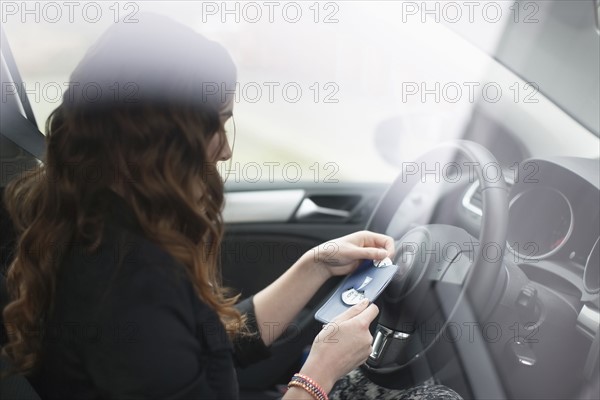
<point x="511" y="309"/>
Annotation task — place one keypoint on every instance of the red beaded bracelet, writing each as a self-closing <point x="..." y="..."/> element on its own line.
<point x="313" y="393"/>
<point x="308" y="384"/>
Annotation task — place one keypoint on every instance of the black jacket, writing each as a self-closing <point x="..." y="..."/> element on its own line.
<point x="128" y="324"/>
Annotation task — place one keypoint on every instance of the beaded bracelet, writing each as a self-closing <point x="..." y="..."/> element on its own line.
<point x="308" y="384"/>
<point x="304" y="386"/>
<point x="312" y="382"/>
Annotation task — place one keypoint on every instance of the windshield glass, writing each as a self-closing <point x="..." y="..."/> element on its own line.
<point x="329" y="88"/>
<point x="552" y="43"/>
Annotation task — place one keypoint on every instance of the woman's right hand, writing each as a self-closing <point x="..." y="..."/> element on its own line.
<point x="342" y="345"/>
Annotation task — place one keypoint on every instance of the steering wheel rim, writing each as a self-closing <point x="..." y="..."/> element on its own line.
<point x="484" y="271"/>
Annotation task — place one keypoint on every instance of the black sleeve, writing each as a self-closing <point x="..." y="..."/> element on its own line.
<point x="249" y="349"/>
<point x="152" y="344"/>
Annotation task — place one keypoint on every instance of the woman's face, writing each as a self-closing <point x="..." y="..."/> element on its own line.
<point x="217" y="150"/>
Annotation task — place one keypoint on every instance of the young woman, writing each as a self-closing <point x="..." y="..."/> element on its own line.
<point x="115" y="286"/>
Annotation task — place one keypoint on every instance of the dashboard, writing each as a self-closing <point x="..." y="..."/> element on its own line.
<point x="552" y="259"/>
<point x="554" y="200"/>
<point x="554" y="222"/>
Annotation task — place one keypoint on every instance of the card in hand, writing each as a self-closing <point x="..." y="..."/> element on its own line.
<point x="367" y="281"/>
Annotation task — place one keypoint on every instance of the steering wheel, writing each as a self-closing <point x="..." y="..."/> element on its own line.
<point x="439" y="265"/>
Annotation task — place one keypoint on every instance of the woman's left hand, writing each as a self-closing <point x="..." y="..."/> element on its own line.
<point x="341" y="256"/>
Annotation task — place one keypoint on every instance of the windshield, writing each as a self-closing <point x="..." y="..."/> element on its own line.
<point x="329" y="88"/>
<point x="554" y="44"/>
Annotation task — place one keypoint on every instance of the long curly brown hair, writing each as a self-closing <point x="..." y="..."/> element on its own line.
<point x="140" y="110"/>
